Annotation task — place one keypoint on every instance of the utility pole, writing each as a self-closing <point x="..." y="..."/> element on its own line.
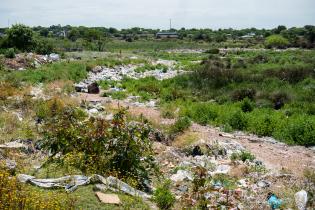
<point x="170" y="24"/>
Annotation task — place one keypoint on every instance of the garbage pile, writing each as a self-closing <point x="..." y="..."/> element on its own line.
<point x="29" y="60"/>
<point x="117" y="73"/>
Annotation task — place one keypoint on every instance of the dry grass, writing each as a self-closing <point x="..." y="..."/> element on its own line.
<point x="186" y="139"/>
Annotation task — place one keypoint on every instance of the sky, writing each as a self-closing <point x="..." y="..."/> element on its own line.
<point x="156" y="13"/>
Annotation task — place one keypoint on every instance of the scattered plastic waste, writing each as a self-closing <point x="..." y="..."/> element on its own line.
<point x="274" y="201"/>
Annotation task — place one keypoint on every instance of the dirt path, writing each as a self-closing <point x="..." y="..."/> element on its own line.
<point x="276" y="156"/>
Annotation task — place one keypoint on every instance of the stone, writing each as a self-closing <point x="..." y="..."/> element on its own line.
<point x="97" y="69"/>
<point x="10" y="164"/>
<point x="93" y="111"/>
<point x="222" y="169"/>
<point x="182" y="175"/>
<point x="301" y="200"/>
<point x="108" y="198"/>
<point x="263" y="184"/>
<point x="93" y="88"/>
<point x="197" y="151"/>
<point x="54" y="57"/>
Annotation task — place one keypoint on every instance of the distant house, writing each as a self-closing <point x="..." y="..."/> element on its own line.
<point x="165" y="35"/>
<point x="248" y="36"/>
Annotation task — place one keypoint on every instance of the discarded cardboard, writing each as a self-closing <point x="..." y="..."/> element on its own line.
<point x="108" y="198"/>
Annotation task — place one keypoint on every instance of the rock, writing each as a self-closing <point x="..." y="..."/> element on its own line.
<point x="79" y="87"/>
<point x="183" y="188"/>
<point x="197" y="151"/>
<point x="97" y="69"/>
<point x="242" y="183"/>
<point x="10" y="164"/>
<point x="301" y="199"/>
<point x="222" y="169"/>
<point x="263" y="184"/>
<point x="108" y="198"/>
<point x="93" y="111"/>
<point x="54" y="57"/>
<point x="13" y="145"/>
<point x="93" y="88"/>
<point x="182" y="175"/>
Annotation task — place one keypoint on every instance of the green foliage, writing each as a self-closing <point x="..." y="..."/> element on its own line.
<point x="247" y="105"/>
<point x="9" y="53"/>
<point x="238" y="120"/>
<point x="276" y="41"/>
<point x="99" y="146"/>
<point x="21" y="37"/>
<point x="243" y="156"/>
<point x="202" y="113"/>
<point x="180" y="125"/>
<point x="44" y="47"/>
<point x="163" y="196"/>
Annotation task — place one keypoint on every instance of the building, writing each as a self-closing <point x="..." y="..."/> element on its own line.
<point x="167" y="35"/>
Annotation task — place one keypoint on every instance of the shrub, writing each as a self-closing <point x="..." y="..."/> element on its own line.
<point x="14" y="195"/>
<point x="203" y="113"/>
<point x="247" y="105"/>
<point x="9" y="53"/>
<point x="107" y="147"/>
<point x="163" y="196"/>
<point x="180" y="125"/>
<point x="279" y="98"/>
<point x="243" y="156"/>
<point x="213" y="51"/>
<point x="276" y="41"/>
<point x="240" y="94"/>
<point x="300" y="131"/>
<point x="21" y="37"/>
<point x="238" y="120"/>
<point x="44" y="47"/>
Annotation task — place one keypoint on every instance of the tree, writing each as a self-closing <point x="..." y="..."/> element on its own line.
<point x="21" y="37"/>
<point x="44" y="32"/>
<point x="276" y="41"/>
<point x="74" y="34"/>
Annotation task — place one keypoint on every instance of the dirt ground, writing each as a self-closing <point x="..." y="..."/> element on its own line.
<point x="275" y="155"/>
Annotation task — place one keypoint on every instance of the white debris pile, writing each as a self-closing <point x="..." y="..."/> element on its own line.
<point x="117" y="73"/>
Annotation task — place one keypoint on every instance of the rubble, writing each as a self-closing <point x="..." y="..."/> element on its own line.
<point x="301" y="199"/>
<point x="182" y="175"/>
<point x="23" y="61"/>
<point x="117" y="73"/>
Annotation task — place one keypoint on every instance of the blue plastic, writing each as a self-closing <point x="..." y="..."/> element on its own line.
<point x="274" y="202"/>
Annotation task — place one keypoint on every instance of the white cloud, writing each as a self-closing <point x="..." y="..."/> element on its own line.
<point x="156" y="13"/>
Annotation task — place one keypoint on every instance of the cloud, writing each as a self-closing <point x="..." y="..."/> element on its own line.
<point x="156" y="14"/>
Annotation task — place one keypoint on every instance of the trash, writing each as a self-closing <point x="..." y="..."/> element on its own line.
<point x="182" y="175"/>
<point x="301" y="199"/>
<point x="93" y="88"/>
<point x="108" y="198"/>
<point x="71" y="183"/>
<point x="274" y="201"/>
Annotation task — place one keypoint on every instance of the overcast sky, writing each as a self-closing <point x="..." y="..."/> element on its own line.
<point x="156" y="13"/>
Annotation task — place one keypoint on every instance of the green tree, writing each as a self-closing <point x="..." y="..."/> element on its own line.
<point x="21" y="37"/>
<point x="276" y="41"/>
<point x="74" y="34"/>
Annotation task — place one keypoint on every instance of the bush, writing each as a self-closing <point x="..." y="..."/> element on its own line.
<point x="44" y="47"/>
<point x="247" y="105"/>
<point x="300" y="131"/>
<point x="203" y="113"/>
<point x="180" y="125"/>
<point x="163" y="196"/>
<point x="213" y="51"/>
<point x="240" y="94"/>
<point x="112" y="147"/>
<point x="238" y="121"/>
<point x="243" y="156"/>
<point x="15" y="195"/>
<point x="276" y="41"/>
<point x="9" y="53"/>
<point x="21" y="37"/>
